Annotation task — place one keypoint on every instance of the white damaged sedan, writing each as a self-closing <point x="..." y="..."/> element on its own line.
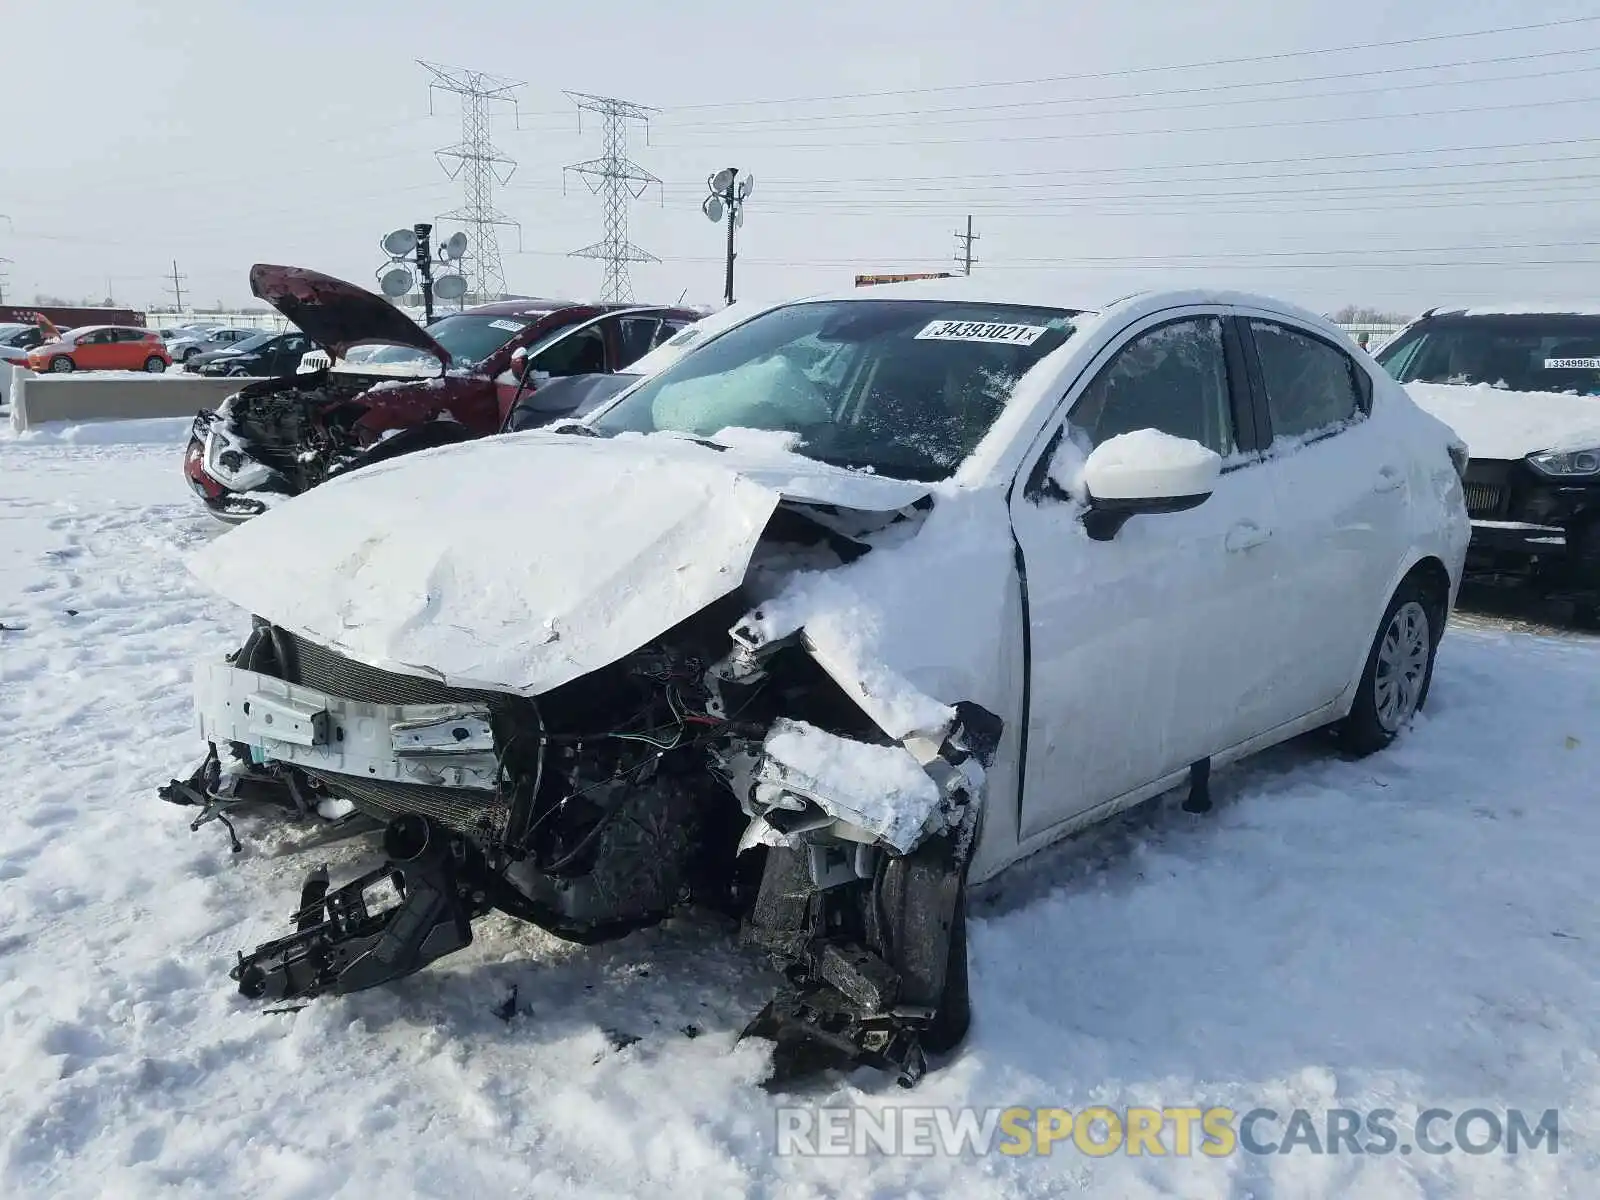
<point x="862" y="600"/>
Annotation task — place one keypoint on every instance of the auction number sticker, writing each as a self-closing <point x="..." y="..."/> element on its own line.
<point x="981" y="331"/>
<point x="513" y="326"/>
<point x="1572" y="364"/>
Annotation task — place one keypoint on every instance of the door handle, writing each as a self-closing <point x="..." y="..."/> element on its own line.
<point x="1389" y="478"/>
<point x="1245" y="536"/>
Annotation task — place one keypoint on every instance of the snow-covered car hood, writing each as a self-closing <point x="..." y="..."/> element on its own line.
<point x="521" y="562"/>
<point x="1500" y="424"/>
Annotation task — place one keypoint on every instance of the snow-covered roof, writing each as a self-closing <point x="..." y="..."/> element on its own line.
<point x="1083" y="290"/>
<point x="1562" y="308"/>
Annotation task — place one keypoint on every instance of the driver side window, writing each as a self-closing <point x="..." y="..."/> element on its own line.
<point x="1173" y="378"/>
<point x="583" y="353"/>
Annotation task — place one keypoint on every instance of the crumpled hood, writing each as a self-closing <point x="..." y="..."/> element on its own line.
<point x="518" y="563"/>
<point x="1500" y="424"/>
<point x="338" y="315"/>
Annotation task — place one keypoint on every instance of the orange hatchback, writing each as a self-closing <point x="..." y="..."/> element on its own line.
<point x="103" y="348"/>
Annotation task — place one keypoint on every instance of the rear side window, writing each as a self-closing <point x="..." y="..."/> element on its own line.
<point x="1312" y="387"/>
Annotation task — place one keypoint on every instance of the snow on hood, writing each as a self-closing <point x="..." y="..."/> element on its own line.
<point x="519" y="563"/>
<point x="1500" y="424"/>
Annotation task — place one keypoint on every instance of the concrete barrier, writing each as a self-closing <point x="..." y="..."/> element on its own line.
<point x="109" y="396"/>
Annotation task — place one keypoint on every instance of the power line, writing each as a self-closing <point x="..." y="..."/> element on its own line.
<point x="1043" y="192"/>
<point x="1295" y="123"/>
<point x="480" y="163"/>
<point x="617" y="179"/>
<point x="1351" y="156"/>
<point x="964" y="117"/>
<point x="1127" y="72"/>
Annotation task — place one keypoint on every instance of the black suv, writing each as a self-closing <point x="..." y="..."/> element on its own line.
<point x="1522" y="388"/>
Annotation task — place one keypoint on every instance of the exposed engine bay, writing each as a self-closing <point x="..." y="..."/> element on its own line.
<point x="283" y="437"/>
<point x="707" y="768"/>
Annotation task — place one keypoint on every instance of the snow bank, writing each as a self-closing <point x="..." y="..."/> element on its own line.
<point x="1501" y="424"/>
<point x="152" y="431"/>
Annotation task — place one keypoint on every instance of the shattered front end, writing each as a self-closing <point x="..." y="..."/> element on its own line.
<point x="744" y="779"/>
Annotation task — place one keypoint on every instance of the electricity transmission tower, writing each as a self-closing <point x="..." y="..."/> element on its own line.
<point x="481" y="164"/>
<point x="617" y="179"/>
<point x="964" y="257"/>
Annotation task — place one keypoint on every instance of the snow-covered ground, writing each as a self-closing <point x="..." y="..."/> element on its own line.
<point x="1417" y="930"/>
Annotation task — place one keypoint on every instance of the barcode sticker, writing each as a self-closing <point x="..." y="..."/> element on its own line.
<point x="981" y="331"/>
<point x="1572" y="364"/>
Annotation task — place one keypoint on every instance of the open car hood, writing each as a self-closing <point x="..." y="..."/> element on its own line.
<point x="338" y="315"/>
<point x="519" y="563"/>
<point x="1500" y="424"/>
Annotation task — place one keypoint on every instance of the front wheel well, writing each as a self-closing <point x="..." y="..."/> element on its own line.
<point x="1432" y="578"/>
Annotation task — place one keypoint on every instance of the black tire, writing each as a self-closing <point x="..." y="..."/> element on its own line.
<point x="154" y="365"/>
<point x="62" y="365"/>
<point x="954" y="1015"/>
<point x="189" y="353"/>
<point x="1371" y="726"/>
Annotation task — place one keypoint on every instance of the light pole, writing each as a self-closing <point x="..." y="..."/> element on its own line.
<point x="726" y="202"/>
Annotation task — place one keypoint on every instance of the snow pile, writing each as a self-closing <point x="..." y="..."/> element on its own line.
<point x="1500" y="424"/>
<point x="147" y="431"/>
<point x="880" y="789"/>
<point x="773" y="440"/>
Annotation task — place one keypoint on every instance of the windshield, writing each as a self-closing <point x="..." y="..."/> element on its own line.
<point x="246" y="345"/>
<point x="469" y="338"/>
<point x="1522" y="353"/>
<point x="905" y="387"/>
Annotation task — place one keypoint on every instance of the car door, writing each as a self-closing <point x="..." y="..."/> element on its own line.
<point x="635" y="337"/>
<point x="286" y="354"/>
<point x="96" y="351"/>
<point x="1342" y="501"/>
<point x="129" y="351"/>
<point x="1139" y="657"/>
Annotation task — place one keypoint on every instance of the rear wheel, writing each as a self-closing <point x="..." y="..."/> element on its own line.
<point x="1394" y="685"/>
<point x="154" y="365"/>
<point x="62" y="365"/>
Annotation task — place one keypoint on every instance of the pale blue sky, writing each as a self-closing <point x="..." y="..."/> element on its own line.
<point x="237" y="131"/>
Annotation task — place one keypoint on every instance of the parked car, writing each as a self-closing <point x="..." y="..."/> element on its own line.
<point x="859" y="602"/>
<point x="17" y="339"/>
<point x="190" y="343"/>
<point x="266" y="354"/>
<point x="546" y="398"/>
<point x="102" y="348"/>
<point x="1521" y="386"/>
<point x="421" y="388"/>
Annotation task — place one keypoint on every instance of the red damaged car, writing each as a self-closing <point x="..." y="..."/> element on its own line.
<point x="455" y="380"/>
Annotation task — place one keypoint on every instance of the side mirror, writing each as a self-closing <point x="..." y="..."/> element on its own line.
<point x="1143" y="473"/>
<point x="519" y="362"/>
